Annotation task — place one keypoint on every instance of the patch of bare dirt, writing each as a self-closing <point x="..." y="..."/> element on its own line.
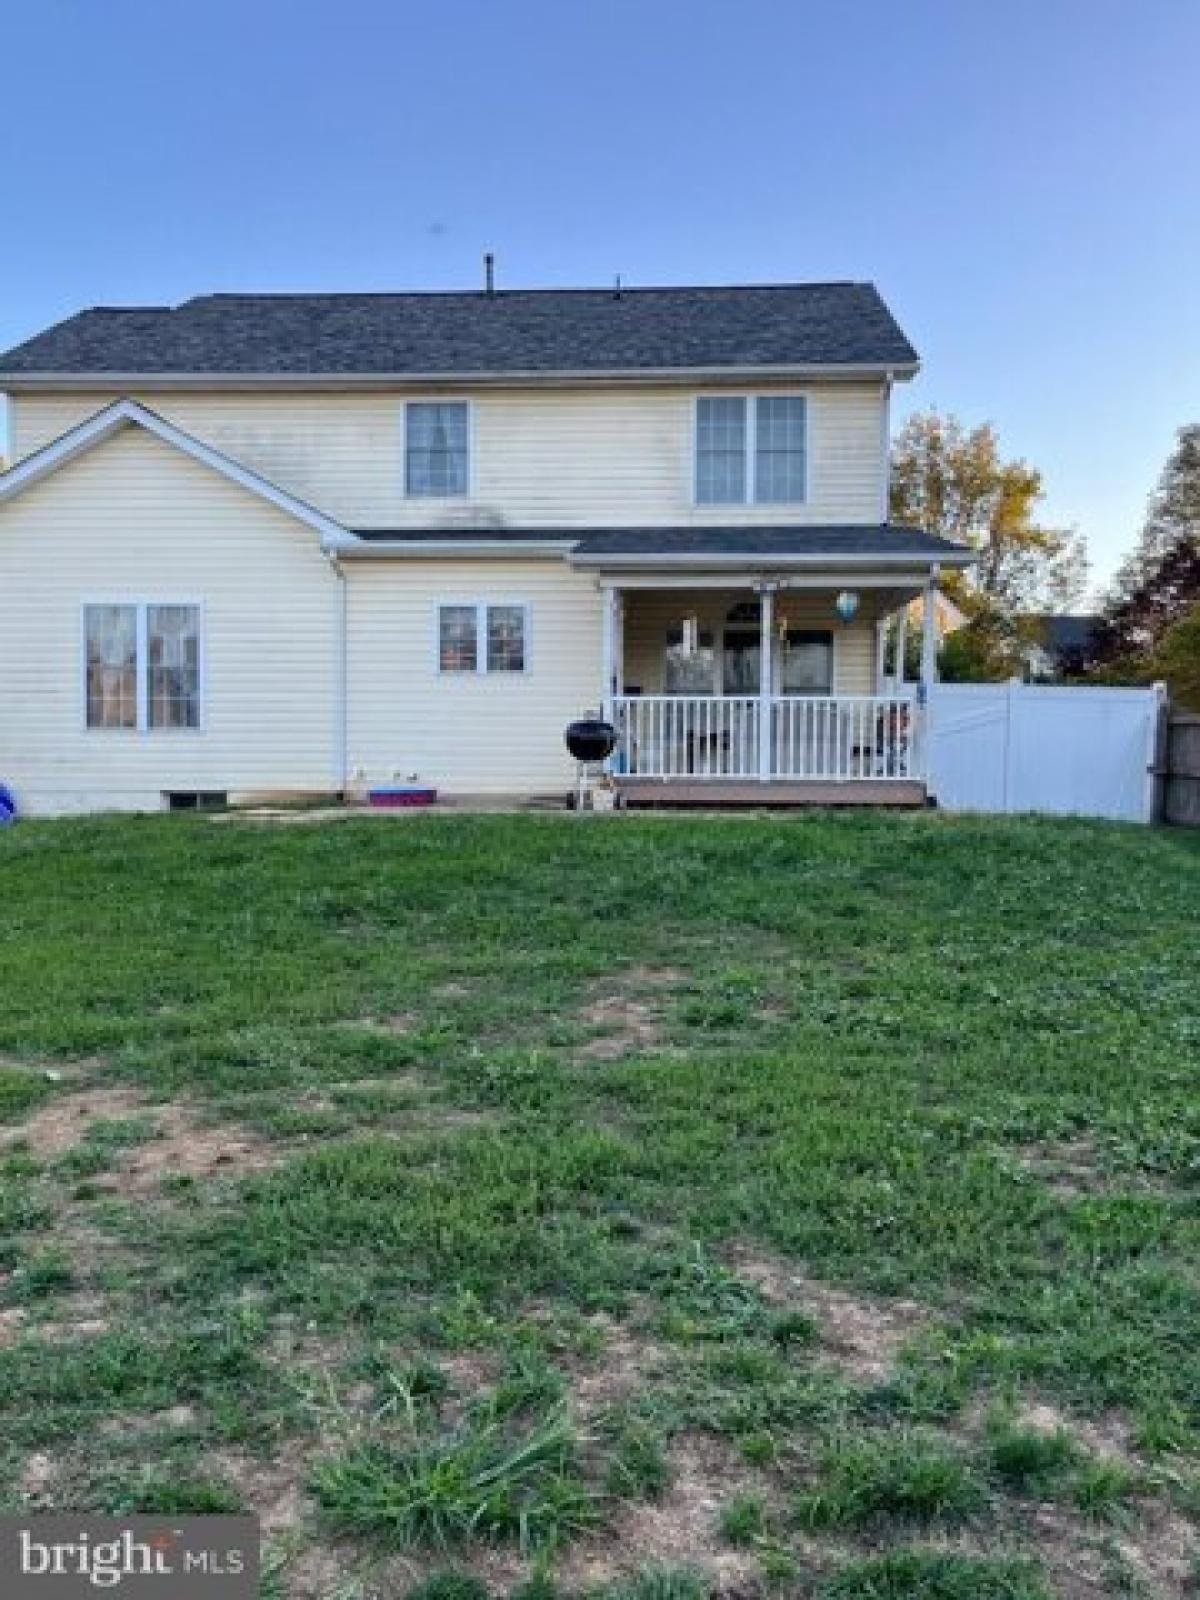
<point x="37" y="1476"/>
<point x="1157" y="1552"/>
<point x="58" y="1126"/>
<point x="273" y="1489"/>
<point x="680" y="1529"/>
<point x="189" y="1148"/>
<point x="399" y="1023"/>
<point x="80" y="1316"/>
<point x="628" y="1008"/>
<point x="12" y="1322"/>
<point x="864" y="1334"/>
<point x="1068" y="1167"/>
<point x="1108" y="1436"/>
<point x="625" y="1361"/>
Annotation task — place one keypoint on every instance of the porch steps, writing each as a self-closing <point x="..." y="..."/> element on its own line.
<point x="715" y="793"/>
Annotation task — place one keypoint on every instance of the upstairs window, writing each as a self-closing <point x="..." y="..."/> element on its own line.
<point x="142" y="665"/>
<point x="436" y="449"/>
<point x="751" y="449"/>
<point x="481" y="636"/>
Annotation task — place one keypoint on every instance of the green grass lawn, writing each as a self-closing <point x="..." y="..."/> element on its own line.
<point x="651" y="1207"/>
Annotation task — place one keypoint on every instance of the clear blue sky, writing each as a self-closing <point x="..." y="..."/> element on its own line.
<point x="1021" y="179"/>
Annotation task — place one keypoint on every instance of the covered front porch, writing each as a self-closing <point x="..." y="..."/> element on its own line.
<point x="768" y="688"/>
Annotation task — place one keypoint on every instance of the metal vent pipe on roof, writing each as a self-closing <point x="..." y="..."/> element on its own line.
<point x="489" y="273"/>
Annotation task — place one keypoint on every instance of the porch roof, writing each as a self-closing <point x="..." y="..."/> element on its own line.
<point x="885" y="544"/>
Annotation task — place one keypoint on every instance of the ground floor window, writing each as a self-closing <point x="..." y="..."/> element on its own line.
<point x="482" y="636"/>
<point x="690" y="662"/>
<point x="142" y="665"/>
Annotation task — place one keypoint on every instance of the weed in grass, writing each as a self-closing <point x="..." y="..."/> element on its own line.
<point x="639" y="1468"/>
<point x="759" y="1449"/>
<point x="743" y="1520"/>
<point x="45" y="1272"/>
<point x="20" y="1091"/>
<point x="793" y="1330"/>
<point x="1101" y="1488"/>
<point x="450" y="1586"/>
<point x="486" y="1483"/>
<point x="935" y="1575"/>
<point x="1029" y="1460"/>
<point x="178" y="1492"/>
<point x="899" y="1475"/>
<point x="660" y="1583"/>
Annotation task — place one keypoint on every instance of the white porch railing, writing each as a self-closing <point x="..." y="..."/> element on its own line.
<point x="841" y="738"/>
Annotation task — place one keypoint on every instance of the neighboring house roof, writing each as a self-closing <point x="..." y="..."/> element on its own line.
<point x="1066" y="635"/>
<point x="129" y="414"/>
<point x="508" y="333"/>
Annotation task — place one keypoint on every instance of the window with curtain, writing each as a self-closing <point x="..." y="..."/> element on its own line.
<point x="506" y="638"/>
<point x="720" y="450"/>
<point x="436" y="448"/>
<point x="779" y="428"/>
<point x="688" y="673"/>
<point x="458" y="641"/>
<point x="482" y="636"/>
<point x="142" y="665"/>
<point x="110" y="645"/>
<point x="806" y="662"/>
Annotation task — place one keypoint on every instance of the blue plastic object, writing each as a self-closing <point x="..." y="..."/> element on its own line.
<point x="8" y="807"/>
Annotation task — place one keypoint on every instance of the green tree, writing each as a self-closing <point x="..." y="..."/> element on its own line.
<point x="1149" y="616"/>
<point x="1172" y="517"/>
<point x="953" y="481"/>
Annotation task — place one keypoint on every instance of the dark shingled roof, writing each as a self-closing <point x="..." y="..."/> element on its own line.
<point x="1065" y="635"/>
<point x="603" y="544"/>
<point x="455" y="334"/>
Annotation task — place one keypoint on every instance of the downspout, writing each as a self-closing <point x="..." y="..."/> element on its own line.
<point x="340" y="677"/>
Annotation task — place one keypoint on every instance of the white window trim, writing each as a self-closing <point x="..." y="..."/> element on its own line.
<point x="437" y="400"/>
<point x="750" y="397"/>
<point x="480" y="607"/>
<point x="141" y="635"/>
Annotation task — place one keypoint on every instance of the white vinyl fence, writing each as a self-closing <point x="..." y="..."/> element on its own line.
<point x="1022" y="747"/>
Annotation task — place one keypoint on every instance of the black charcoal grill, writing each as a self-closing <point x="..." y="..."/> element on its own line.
<point x="589" y="740"/>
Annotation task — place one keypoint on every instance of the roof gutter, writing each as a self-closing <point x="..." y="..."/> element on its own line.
<point x="355" y="549"/>
<point x="147" y="382"/>
<point x="916" y="561"/>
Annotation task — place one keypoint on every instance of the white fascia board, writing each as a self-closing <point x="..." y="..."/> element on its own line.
<point x="105" y="382"/>
<point x="348" y="548"/>
<point x="128" y="413"/>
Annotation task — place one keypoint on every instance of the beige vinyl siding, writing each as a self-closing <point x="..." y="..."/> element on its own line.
<point x="135" y="519"/>
<point x="467" y="733"/>
<point x="540" y="458"/>
<point x="648" y="615"/>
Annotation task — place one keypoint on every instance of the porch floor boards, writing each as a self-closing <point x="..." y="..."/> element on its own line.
<point x="657" y="793"/>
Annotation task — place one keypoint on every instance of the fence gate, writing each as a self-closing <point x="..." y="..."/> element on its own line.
<point x="1024" y="747"/>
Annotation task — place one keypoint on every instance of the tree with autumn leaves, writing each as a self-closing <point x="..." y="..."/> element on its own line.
<point x="953" y="481"/>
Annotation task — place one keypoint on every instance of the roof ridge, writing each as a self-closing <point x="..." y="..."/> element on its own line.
<point x="609" y="290"/>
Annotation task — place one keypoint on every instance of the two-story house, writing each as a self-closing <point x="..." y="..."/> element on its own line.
<point x="297" y="544"/>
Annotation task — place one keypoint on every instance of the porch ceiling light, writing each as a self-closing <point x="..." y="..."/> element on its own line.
<point x="846" y="605"/>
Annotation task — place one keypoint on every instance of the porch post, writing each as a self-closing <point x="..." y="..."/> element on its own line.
<point x="766" y="619"/>
<point x="929" y="633"/>
<point x="608" y="650"/>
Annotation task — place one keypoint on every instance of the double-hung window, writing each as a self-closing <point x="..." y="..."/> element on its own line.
<point x="142" y="665"/>
<point x="436" y="449"/>
<point x="483" y="636"/>
<point x="751" y="448"/>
